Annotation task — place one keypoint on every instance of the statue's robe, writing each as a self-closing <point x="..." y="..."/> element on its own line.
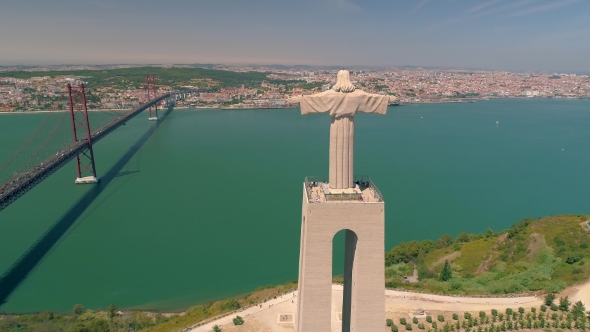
<point x="343" y="107"/>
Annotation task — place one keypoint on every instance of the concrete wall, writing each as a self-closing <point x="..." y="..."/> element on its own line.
<point x="364" y="289"/>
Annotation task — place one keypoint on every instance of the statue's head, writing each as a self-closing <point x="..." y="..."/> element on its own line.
<point x="343" y="83"/>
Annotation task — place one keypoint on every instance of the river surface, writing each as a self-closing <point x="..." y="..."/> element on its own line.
<point x="209" y="207"/>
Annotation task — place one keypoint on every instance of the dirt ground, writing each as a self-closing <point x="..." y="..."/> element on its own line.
<point x="397" y="305"/>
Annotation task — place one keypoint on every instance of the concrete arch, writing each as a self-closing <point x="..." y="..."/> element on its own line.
<point x="350" y="243"/>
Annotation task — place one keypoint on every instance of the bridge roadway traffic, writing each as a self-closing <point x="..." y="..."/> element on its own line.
<point x="23" y="182"/>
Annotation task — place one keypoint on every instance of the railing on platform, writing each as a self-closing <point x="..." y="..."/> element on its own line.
<point x="363" y="182"/>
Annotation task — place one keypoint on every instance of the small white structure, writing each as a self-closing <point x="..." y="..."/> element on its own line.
<point x="87" y="179"/>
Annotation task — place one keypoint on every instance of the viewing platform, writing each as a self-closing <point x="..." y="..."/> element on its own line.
<point x="318" y="190"/>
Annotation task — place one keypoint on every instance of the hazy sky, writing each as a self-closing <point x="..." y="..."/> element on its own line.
<point x="551" y="35"/>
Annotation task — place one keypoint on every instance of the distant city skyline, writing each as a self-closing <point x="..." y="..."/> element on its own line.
<point x="511" y="35"/>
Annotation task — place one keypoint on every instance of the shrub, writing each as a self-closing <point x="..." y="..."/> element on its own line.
<point x="455" y="316"/>
<point x="573" y="259"/>
<point x="508" y="311"/>
<point x="549" y="298"/>
<point x="415" y="320"/>
<point x="389" y="322"/>
<point x="394" y="328"/>
<point x="577" y="271"/>
<point x="434" y="325"/>
<point x="421" y="326"/>
<point x="230" y="305"/>
<point x="402" y="321"/>
<point x="408" y="327"/>
<point x="429" y="319"/>
<point x="216" y="328"/>
<point x="494" y="312"/>
<point x="238" y="320"/>
<point x="564" y="303"/>
<point x="112" y="310"/>
<point x="554" y="307"/>
<point x="441" y="318"/>
<point x="521" y="310"/>
<point x="482" y="314"/>
<point x="467" y="315"/>
<point x="78" y="309"/>
<point x="533" y="309"/>
<point x="543" y="308"/>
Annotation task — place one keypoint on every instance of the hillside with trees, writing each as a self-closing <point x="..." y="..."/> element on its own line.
<point x="543" y="255"/>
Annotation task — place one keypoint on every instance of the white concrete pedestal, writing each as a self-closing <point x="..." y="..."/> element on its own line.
<point x="363" y="307"/>
<point x="87" y="179"/>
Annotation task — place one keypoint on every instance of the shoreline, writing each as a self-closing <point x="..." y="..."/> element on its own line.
<point x="224" y="108"/>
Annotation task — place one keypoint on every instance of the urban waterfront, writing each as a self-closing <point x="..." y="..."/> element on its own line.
<point x="210" y="206"/>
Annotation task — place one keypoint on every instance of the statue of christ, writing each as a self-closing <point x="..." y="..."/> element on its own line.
<point x="342" y="102"/>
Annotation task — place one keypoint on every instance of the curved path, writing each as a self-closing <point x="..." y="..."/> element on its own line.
<point x="395" y="301"/>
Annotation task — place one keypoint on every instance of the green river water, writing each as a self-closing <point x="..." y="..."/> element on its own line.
<point x="209" y="207"/>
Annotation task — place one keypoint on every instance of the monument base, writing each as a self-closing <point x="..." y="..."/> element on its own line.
<point x="87" y="179"/>
<point x="363" y="306"/>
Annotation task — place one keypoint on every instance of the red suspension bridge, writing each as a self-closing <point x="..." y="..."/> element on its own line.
<point x="46" y="150"/>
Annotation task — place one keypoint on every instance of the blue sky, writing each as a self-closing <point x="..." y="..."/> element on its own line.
<point x="516" y="35"/>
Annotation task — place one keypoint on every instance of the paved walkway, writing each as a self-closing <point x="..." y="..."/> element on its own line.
<point x="246" y="312"/>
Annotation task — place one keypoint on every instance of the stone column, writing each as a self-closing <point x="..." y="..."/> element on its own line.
<point x="342" y="152"/>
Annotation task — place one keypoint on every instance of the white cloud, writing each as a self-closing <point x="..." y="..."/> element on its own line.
<point x="344" y="5"/>
<point x="544" y="8"/>
<point x="419" y="6"/>
<point x="481" y="7"/>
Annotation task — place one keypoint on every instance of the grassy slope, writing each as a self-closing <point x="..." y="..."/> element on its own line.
<point x="164" y="76"/>
<point x="134" y="321"/>
<point x="521" y="259"/>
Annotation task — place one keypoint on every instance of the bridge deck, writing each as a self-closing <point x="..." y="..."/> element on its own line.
<point x="23" y="182"/>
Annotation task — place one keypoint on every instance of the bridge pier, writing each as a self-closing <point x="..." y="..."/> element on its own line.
<point x="87" y="179"/>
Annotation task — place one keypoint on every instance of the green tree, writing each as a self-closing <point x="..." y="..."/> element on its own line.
<point x="463" y="237"/>
<point x="444" y="241"/>
<point x="446" y="273"/>
<point x="578" y="310"/>
<point x="455" y="316"/>
<point x="78" y="309"/>
<point x="489" y="232"/>
<point x="564" y="303"/>
<point x="112" y="311"/>
<point x="415" y="320"/>
<point x="389" y="322"/>
<point x="408" y="327"/>
<point x="394" y="328"/>
<point x="216" y="328"/>
<point x="549" y="298"/>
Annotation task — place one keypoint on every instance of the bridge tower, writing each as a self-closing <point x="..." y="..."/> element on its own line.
<point x="150" y="86"/>
<point x="81" y="132"/>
